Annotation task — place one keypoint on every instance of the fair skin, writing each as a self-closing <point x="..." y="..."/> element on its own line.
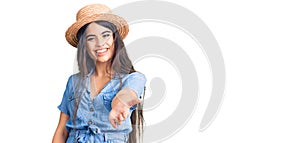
<point x="100" y="47"/>
<point x="61" y="134"/>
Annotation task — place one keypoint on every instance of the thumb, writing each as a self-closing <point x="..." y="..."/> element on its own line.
<point x="134" y="102"/>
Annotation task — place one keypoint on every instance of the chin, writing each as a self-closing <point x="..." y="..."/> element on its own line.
<point x="103" y="59"/>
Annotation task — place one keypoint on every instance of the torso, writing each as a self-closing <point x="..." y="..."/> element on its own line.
<point x="97" y="84"/>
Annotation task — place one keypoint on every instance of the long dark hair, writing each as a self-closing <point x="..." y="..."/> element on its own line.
<point x="120" y="64"/>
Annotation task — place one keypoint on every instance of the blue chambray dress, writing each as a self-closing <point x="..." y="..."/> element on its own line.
<point x="92" y="124"/>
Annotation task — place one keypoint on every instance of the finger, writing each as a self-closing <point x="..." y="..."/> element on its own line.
<point x="121" y="118"/>
<point x="113" y="123"/>
<point x="112" y="120"/>
<point x="124" y="115"/>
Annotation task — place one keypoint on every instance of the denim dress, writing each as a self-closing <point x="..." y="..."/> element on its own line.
<point x="91" y="123"/>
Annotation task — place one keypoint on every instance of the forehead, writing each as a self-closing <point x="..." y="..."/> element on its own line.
<point x="96" y="28"/>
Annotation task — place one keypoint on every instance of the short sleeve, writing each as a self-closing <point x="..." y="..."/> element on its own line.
<point x="63" y="107"/>
<point x="135" y="81"/>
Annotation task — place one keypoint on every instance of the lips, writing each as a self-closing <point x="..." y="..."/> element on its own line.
<point x="101" y="52"/>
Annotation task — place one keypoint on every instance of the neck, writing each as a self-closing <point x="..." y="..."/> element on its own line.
<point x="101" y="70"/>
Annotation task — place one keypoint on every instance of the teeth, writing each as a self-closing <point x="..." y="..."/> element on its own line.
<point x="101" y="51"/>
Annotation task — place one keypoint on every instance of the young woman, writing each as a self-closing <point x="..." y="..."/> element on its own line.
<point x="100" y="102"/>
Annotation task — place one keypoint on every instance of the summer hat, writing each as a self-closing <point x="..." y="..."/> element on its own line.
<point x="95" y="12"/>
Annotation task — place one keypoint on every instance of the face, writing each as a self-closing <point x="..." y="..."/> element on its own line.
<point x="99" y="42"/>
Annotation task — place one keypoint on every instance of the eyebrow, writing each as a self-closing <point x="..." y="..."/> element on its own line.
<point x="101" y="33"/>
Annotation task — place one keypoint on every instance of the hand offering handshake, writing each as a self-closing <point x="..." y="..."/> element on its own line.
<point x="121" y="104"/>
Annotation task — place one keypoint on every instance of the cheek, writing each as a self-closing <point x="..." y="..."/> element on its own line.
<point x="89" y="45"/>
<point x="112" y="47"/>
<point x="90" y="50"/>
<point x="111" y="52"/>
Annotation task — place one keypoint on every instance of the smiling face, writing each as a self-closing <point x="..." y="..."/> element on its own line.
<point x="99" y="42"/>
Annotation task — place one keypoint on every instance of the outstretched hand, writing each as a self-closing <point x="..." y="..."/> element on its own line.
<point x="121" y="104"/>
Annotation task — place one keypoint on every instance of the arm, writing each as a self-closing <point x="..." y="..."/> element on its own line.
<point x="127" y="97"/>
<point x="121" y="104"/>
<point x="61" y="133"/>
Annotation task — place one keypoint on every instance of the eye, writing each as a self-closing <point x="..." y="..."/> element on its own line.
<point x="105" y="36"/>
<point x="90" y="39"/>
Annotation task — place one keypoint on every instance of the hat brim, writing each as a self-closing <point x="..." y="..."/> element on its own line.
<point x="119" y="22"/>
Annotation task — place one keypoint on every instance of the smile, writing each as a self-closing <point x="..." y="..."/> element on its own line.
<point x="101" y="51"/>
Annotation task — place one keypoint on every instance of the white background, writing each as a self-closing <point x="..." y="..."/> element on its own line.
<point x="259" y="40"/>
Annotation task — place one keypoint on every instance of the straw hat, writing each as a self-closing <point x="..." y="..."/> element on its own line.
<point x="92" y="13"/>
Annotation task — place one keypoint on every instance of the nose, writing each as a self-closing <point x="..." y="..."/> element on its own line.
<point x="100" y="42"/>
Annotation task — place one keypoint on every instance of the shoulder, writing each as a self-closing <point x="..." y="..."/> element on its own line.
<point x="135" y="81"/>
<point x="137" y="75"/>
<point x="134" y="78"/>
<point x="72" y="79"/>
